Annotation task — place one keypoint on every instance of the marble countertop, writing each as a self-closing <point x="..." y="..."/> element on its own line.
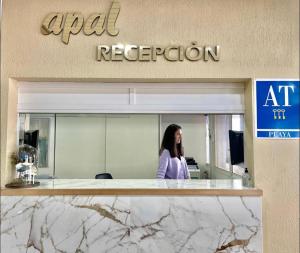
<point x="135" y="187"/>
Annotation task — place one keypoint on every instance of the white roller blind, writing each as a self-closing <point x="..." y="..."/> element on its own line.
<point x="67" y="97"/>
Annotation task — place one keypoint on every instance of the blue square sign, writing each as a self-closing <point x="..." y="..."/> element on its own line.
<point x="277" y="109"/>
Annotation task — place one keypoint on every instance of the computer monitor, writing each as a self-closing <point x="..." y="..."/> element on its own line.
<point x="236" y="143"/>
<point x="32" y="138"/>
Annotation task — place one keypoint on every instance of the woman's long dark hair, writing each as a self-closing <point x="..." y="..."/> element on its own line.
<point x="168" y="142"/>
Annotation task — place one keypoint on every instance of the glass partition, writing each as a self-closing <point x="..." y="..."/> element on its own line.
<point x="127" y="145"/>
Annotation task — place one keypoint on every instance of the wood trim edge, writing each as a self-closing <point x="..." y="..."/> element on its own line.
<point x="139" y="192"/>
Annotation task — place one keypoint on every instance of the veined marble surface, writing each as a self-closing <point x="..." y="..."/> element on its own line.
<point x="140" y="184"/>
<point x="154" y="224"/>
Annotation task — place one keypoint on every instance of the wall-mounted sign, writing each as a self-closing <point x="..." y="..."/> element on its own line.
<point x="277" y="108"/>
<point x="191" y="52"/>
<point x="73" y="22"/>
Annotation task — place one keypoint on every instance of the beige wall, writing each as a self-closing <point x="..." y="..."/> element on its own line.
<point x="132" y="146"/>
<point x="258" y="39"/>
<point x="79" y="146"/>
<point x="86" y="145"/>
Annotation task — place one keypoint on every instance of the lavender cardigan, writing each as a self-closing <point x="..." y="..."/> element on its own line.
<point x="172" y="168"/>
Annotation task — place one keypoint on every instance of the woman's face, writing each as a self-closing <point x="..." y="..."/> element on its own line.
<point x="178" y="136"/>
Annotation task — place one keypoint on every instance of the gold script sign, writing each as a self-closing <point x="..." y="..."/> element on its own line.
<point x="97" y="23"/>
<point x="72" y="23"/>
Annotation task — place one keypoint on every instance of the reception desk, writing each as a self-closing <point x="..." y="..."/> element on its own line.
<point x="86" y="215"/>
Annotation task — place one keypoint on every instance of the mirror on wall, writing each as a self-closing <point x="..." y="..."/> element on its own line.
<point x="127" y="145"/>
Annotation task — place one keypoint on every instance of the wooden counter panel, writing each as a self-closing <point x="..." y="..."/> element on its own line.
<point x="139" y="191"/>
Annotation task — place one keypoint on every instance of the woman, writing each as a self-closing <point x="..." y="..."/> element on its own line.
<point x="172" y="164"/>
